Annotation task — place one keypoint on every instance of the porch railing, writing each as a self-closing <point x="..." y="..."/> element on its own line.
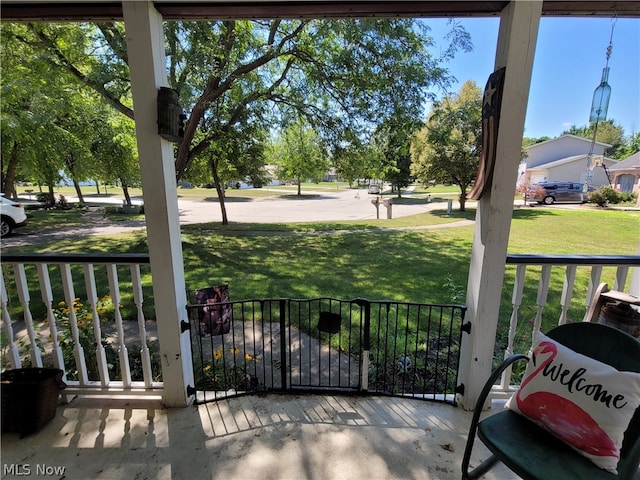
<point x="579" y="276"/>
<point x="78" y="325"/>
<point x="106" y="346"/>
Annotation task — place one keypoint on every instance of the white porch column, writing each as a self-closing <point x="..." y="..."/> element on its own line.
<point x="145" y="45"/>
<point x="516" y="45"/>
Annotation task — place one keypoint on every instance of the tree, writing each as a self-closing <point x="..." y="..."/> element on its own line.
<point x="528" y="141"/>
<point x="608" y="132"/>
<point x="338" y="74"/>
<point x="114" y="149"/>
<point x="21" y="91"/>
<point x="240" y="156"/>
<point x="630" y="147"/>
<point x="299" y="155"/>
<point x="357" y="159"/>
<point x="447" y="149"/>
<point x="53" y="124"/>
<point x="394" y="138"/>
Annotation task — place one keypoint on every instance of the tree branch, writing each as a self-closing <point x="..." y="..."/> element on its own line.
<point x="67" y="65"/>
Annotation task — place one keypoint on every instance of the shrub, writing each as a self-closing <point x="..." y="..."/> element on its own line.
<point x="604" y="196"/>
<point x="628" y="197"/>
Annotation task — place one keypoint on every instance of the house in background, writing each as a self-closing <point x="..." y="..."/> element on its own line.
<point x="565" y="159"/>
<point x="625" y="175"/>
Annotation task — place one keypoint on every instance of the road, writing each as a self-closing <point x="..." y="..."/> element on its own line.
<point x="312" y="207"/>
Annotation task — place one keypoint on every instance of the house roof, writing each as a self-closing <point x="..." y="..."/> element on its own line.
<point x="567" y="135"/>
<point x="629" y="163"/>
<point x="565" y="160"/>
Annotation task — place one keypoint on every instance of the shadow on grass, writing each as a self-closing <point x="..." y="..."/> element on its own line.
<point x="228" y="199"/>
<point x="100" y="195"/>
<point x="528" y="213"/>
<point x="407" y="200"/>
<point x="267" y="228"/>
<point x="303" y="196"/>
<point x="468" y="214"/>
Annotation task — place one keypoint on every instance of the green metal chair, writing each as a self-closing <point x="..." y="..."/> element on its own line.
<point x="533" y="453"/>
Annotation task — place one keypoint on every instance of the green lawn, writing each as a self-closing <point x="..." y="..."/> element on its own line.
<point x="354" y="259"/>
<point x="286" y="260"/>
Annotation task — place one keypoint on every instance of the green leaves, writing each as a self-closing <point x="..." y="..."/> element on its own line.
<point x="447" y="149"/>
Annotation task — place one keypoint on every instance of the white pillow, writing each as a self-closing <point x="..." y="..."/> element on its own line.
<point x="585" y="403"/>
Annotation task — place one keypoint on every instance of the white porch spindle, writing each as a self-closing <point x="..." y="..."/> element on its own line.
<point x="12" y="351"/>
<point x="541" y="299"/>
<point x="25" y="299"/>
<point x="516" y="300"/>
<point x="92" y="298"/>
<point x="621" y="278"/>
<point x="47" y="299"/>
<point x="70" y="299"/>
<point x="114" y="288"/>
<point x="594" y="281"/>
<point x="145" y="356"/>
<point x="567" y="292"/>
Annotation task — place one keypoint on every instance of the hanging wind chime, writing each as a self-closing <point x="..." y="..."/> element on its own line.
<point x="599" y="107"/>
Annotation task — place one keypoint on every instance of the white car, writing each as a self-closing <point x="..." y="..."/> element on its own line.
<point x="12" y="215"/>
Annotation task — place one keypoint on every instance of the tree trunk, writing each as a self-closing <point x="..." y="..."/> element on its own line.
<point x="299" y="187"/>
<point x="125" y="191"/>
<point x="76" y="185"/>
<point x="98" y="187"/>
<point x="463" y="199"/>
<point x="51" y="201"/>
<point x="9" y="180"/>
<point x="220" y="191"/>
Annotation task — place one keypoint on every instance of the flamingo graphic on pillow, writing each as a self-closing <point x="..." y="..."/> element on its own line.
<point x="568" y="421"/>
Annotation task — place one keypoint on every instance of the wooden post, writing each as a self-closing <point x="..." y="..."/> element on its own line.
<point x="516" y="45"/>
<point x="145" y="44"/>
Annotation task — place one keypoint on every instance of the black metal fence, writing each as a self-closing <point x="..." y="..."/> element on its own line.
<point x="325" y="344"/>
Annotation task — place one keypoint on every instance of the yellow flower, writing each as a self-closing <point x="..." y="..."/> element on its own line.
<point x="61" y="304"/>
<point x="87" y="316"/>
<point x="106" y="298"/>
<point x="66" y="310"/>
<point x="207" y="368"/>
<point x="102" y="311"/>
<point x="248" y="357"/>
<point x="80" y="323"/>
<point x="218" y="353"/>
<point x="234" y="350"/>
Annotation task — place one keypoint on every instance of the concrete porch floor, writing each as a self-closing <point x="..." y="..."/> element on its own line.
<point x="253" y="437"/>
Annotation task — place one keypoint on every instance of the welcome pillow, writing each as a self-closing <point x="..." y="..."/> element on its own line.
<point x="585" y="403"/>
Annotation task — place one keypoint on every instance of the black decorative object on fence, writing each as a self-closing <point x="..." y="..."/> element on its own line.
<point x="330" y="345"/>
<point x="329" y="322"/>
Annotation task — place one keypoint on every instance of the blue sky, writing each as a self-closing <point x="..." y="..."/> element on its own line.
<point x="569" y="58"/>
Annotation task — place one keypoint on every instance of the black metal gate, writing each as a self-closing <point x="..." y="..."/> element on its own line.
<point x="326" y="344"/>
